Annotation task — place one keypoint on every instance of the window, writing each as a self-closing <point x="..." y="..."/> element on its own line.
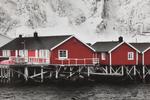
<point x="103" y="56"/>
<point x="130" y="56"/>
<point x="6" y="53"/>
<point x="62" y="54"/>
<point x="43" y="53"/>
<point x="21" y="53"/>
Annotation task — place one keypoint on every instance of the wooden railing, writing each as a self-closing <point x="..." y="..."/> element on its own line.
<point x="76" y="61"/>
<point x="69" y="61"/>
<point x="30" y="60"/>
<point x="33" y="60"/>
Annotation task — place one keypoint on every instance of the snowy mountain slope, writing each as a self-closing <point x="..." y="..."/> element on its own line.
<point x="89" y="20"/>
<point x="4" y="39"/>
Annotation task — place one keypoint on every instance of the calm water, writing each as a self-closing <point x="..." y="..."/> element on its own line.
<point x="84" y="91"/>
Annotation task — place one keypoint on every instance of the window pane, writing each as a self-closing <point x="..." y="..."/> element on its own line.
<point x="130" y="56"/>
<point x="62" y="54"/>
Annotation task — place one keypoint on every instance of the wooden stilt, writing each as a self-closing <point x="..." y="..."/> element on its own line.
<point x="88" y="71"/>
<point x="1" y="73"/>
<point x="143" y="79"/>
<point x="26" y="73"/>
<point x="18" y="73"/>
<point x="50" y="74"/>
<point x="106" y="69"/>
<point x="134" y="67"/>
<point x="110" y="70"/>
<point x="9" y="78"/>
<point x="56" y="76"/>
<point x="34" y="71"/>
<point x="70" y="73"/>
<point x="42" y="76"/>
<point x="122" y="70"/>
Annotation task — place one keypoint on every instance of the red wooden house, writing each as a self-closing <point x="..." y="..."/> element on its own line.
<point x="144" y="56"/>
<point x="116" y="53"/>
<point x="65" y="49"/>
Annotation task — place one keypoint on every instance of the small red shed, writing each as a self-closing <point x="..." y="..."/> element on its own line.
<point x="146" y="56"/>
<point x="116" y="53"/>
<point x="144" y="53"/>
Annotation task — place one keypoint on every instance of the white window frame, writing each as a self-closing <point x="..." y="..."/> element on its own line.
<point x="103" y="56"/>
<point x="6" y="53"/>
<point x="21" y="53"/>
<point x="62" y="58"/>
<point x="130" y="55"/>
<point x="43" y="53"/>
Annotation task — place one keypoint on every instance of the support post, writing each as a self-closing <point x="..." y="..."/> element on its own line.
<point x="143" y="74"/>
<point x="26" y="73"/>
<point x="88" y="71"/>
<point x="110" y="70"/>
<point x="56" y="76"/>
<point x="134" y="68"/>
<point x="42" y="76"/>
<point x="122" y="69"/>
<point x="1" y="73"/>
<point x="70" y="72"/>
<point x="9" y="78"/>
<point x="106" y="70"/>
<point x="34" y="71"/>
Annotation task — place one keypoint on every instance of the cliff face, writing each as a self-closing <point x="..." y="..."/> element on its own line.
<point x="91" y="19"/>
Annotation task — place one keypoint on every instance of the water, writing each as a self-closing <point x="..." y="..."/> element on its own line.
<point x="76" y="91"/>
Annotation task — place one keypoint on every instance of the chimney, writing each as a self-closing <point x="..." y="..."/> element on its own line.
<point x="89" y="44"/>
<point x="20" y="36"/>
<point x="120" y="39"/>
<point x="35" y="34"/>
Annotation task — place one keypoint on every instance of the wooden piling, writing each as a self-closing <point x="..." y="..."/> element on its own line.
<point x="143" y="78"/>
<point x="42" y="76"/>
<point x="26" y="73"/>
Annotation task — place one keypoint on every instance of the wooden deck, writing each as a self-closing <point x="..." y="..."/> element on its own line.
<point x="41" y="72"/>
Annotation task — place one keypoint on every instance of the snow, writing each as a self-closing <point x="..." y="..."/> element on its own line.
<point x="83" y="18"/>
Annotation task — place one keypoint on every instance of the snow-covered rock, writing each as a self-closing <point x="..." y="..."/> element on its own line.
<point x="91" y="20"/>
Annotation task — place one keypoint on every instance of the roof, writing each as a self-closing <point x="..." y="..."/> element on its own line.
<point x="141" y="46"/>
<point x="105" y="46"/>
<point x="45" y="42"/>
<point x="110" y="46"/>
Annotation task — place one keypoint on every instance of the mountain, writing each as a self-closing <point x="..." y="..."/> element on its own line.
<point x="90" y="20"/>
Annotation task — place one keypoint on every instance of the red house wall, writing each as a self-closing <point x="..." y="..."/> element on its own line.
<point x="147" y="57"/>
<point x="12" y="53"/>
<point x="139" y="58"/>
<point x="0" y="52"/>
<point x="120" y="55"/>
<point x="31" y="53"/>
<point x="103" y="62"/>
<point x="76" y="49"/>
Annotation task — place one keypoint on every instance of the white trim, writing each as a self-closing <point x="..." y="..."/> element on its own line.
<point x="121" y="44"/>
<point x="143" y="59"/>
<point x="36" y="53"/>
<point x="103" y="56"/>
<point x="110" y="60"/>
<point x="137" y="58"/>
<point x="6" y="53"/>
<point x="69" y="39"/>
<point x="43" y="53"/>
<point x="146" y="50"/>
<point x="84" y="43"/>
<point x="131" y="55"/>
<point x="16" y="53"/>
<point x="62" y="58"/>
